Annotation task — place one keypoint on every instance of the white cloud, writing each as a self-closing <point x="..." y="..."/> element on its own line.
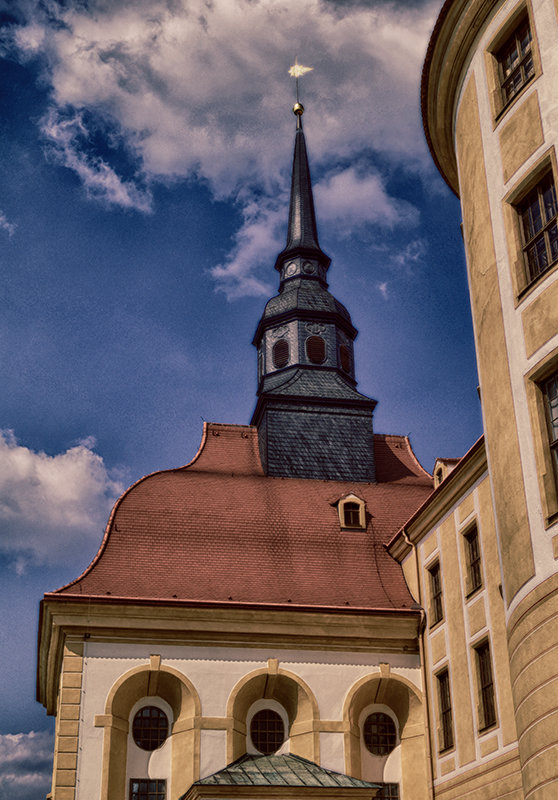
<point x="6" y="225"/>
<point x="349" y="200"/>
<point x="25" y="764"/>
<point x="199" y="89"/>
<point x="53" y="509"/>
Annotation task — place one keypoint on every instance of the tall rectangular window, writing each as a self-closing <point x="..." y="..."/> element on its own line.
<point x="145" y="789"/>
<point x="538" y="213"/>
<point x="515" y="62"/>
<point x="436" y="606"/>
<point x="551" y="402"/>
<point x="474" y="574"/>
<point x="486" y="686"/>
<point x="446" y="717"/>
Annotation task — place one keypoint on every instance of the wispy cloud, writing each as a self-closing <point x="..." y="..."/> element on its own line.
<point x="53" y="509"/>
<point x="383" y="289"/>
<point x="67" y="137"/>
<point x="256" y="243"/>
<point x="25" y="765"/>
<point x="200" y="90"/>
<point x="409" y="256"/>
<point x="6" y="225"/>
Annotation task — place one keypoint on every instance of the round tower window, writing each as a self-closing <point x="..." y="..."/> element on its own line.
<point x="150" y="728"/>
<point x="280" y="353"/>
<point x="267" y="731"/>
<point x="379" y="734"/>
<point x="316" y="349"/>
<point x="345" y="358"/>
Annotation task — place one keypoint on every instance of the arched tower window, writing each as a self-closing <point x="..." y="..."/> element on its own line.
<point x="280" y="353"/>
<point x="316" y="349"/>
<point x="345" y="358"/>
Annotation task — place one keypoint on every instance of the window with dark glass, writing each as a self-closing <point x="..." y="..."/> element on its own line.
<point x="267" y="731"/>
<point x="351" y="515"/>
<point x="141" y="789"/>
<point x="551" y="400"/>
<point x="486" y="686"/>
<point x="538" y="212"/>
<point x="280" y="353"/>
<point x="515" y="62"/>
<point x="446" y="717"/>
<point x="316" y="349"/>
<point x="345" y="358"/>
<point x="150" y="728"/>
<point x="473" y="560"/>
<point x="387" y="791"/>
<point x="379" y="734"/>
<point x="436" y="607"/>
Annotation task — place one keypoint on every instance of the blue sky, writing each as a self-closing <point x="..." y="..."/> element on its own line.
<point x="146" y="148"/>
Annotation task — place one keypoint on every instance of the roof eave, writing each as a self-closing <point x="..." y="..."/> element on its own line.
<point x="469" y="469"/>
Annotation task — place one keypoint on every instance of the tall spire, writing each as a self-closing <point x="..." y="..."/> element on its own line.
<point x="311" y="420"/>
<point x="302" y="232"/>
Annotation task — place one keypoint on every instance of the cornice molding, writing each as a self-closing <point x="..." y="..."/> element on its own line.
<point x="449" y="52"/>
<point x="109" y="619"/>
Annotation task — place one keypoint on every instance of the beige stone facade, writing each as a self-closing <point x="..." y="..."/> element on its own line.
<point x="490" y="106"/>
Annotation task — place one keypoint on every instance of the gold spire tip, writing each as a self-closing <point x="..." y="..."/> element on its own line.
<point x="298" y="109"/>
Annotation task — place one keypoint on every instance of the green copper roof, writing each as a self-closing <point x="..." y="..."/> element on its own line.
<point x="282" y="770"/>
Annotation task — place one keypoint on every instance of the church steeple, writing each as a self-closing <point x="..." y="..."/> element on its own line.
<point x="312" y="422"/>
<point x="302" y="232"/>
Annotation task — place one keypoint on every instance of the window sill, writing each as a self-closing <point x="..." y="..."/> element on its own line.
<point x="435" y="624"/>
<point x="529" y="287"/>
<point x="551" y="520"/>
<point x="473" y="592"/>
<point x="487" y="729"/>
<point x="503" y="111"/>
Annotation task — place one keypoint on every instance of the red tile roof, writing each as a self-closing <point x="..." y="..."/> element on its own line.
<point x="219" y="530"/>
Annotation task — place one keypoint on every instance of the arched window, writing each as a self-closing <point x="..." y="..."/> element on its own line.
<point x="280" y="353"/>
<point x="267" y="731"/>
<point x="316" y="349"/>
<point x="150" y="727"/>
<point x="379" y="734"/>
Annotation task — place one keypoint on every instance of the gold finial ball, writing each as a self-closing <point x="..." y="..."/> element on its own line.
<point x="298" y="109"/>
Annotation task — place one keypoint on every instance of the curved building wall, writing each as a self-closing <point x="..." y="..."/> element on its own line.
<point x="503" y="164"/>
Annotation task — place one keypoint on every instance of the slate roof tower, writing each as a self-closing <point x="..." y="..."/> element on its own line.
<point x="312" y="422"/>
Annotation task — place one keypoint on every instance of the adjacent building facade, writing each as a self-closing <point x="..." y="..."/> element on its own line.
<point x="302" y="609"/>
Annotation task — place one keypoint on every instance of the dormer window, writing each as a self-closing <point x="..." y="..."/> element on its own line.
<point x="352" y="512"/>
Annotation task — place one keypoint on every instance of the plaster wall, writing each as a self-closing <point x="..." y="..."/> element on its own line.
<point x="214" y="673"/>
<point x="511" y="146"/>
<point x="501" y="157"/>
<point x="469" y="618"/>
